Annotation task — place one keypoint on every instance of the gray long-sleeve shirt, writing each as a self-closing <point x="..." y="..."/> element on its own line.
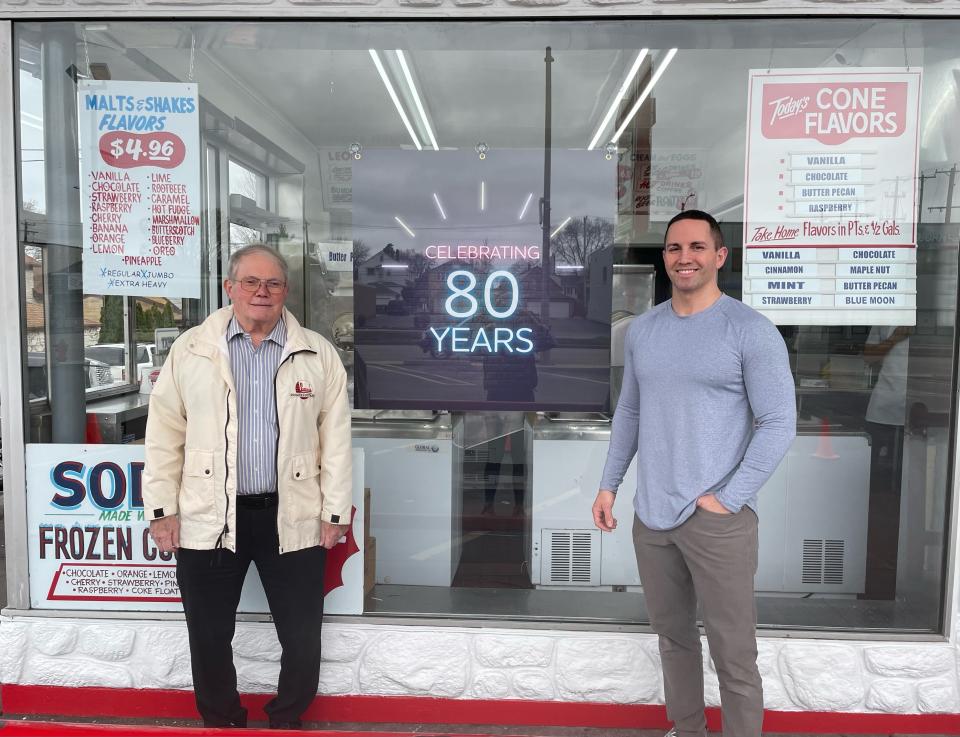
<point x="711" y="400"/>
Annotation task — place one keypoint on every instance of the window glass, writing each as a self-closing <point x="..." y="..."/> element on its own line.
<point x="248" y="202"/>
<point x="486" y="514"/>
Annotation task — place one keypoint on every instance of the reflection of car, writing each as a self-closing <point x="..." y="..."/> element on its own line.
<point x="543" y="339"/>
<point x="97" y="374"/>
<point x="396" y="307"/>
<point x="428" y="342"/>
<point x="426" y="319"/>
<point x="114" y="355"/>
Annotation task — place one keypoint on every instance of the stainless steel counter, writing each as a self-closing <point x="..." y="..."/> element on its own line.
<point x="410" y="424"/>
<point x="571" y="426"/>
<point x="124" y="407"/>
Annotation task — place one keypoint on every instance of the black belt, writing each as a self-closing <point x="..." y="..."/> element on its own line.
<point x="257" y="501"/>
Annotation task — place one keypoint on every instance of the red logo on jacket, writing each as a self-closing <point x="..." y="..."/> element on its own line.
<point x="303" y="390"/>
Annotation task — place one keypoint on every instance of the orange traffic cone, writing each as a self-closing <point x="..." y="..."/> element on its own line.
<point x="825" y="444"/>
<point x="93" y="429"/>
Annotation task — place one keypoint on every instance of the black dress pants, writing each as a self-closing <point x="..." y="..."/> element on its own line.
<point x="210" y="584"/>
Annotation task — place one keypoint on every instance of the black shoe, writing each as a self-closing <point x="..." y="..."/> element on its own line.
<point x="241" y="724"/>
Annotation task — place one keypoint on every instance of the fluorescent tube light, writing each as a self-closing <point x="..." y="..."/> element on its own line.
<point x="439" y="206"/>
<point x="405" y="227"/>
<point x="526" y="204"/>
<point x="416" y="99"/>
<point x="561" y="226"/>
<point x="618" y="99"/>
<point x="483" y="195"/>
<point x="645" y="94"/>
<point x="393" y="96"/>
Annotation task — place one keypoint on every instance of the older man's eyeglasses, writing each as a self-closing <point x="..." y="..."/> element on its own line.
<point x="252" y="284"/>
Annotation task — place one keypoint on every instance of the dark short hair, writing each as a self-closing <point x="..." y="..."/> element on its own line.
<point x="702" y="216"/>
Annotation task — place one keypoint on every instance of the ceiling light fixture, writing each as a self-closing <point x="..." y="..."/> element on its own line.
<point x="561" y="226"/>
<point x="619" y="98"/>
<point x="439" y="206"/>
<point x="526" y="204"/>
<point x="405" y="227"/>
<point x="416" y="99"/>
<point x="645" y="94"/>
<point x="483" y="196"/>
<point x="393" y="96"/>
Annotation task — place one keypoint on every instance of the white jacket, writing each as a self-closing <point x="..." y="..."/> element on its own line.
<point x="191" y="443"/>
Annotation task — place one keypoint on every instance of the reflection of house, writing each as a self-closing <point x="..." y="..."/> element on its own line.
<point x="33" y="275"/>
<point x="599" y="280"/>
<point x="431" y="288"/>
<point x="36" y="320"/>
<point x="386" y="291"/>
<point x="531" y="291"/>
<point x="158" y="304"/>
<point x="92" y="308"/>
<point x="382" y="267"/>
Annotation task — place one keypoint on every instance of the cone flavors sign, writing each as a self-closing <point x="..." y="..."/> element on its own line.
<point x="830" y="196"/>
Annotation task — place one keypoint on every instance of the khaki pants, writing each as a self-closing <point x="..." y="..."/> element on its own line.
<point x="710" y="558"/>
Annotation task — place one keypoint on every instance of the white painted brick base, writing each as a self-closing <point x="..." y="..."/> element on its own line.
<point x="465" y="663"/>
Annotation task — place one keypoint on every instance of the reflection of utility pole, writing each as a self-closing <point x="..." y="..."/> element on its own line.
<point x="545" y="201"/>
<point x="896" y="199"/>
<point x="951" y="182"/>
<point x="923" y="178"/>
<point x="586" y="253"/>
<point x="63" y="274"/>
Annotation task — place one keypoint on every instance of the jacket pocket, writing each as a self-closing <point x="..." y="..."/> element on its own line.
<point x="198" y="496"/>
<point x="304" y="479"/>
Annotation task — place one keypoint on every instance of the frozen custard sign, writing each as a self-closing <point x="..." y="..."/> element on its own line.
<point x="140" y="185"/>
<point x="829" y="225"/>
<point x="89" y="541"/>
<point x="90" y="546"/>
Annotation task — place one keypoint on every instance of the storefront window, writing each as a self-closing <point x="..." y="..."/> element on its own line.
<point x="250" y="189"/>
<point x="375" y="156"/>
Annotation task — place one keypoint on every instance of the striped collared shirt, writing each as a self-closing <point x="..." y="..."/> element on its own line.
<point x="254" y="370"/>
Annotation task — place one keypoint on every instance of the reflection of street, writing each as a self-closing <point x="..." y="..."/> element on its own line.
<point x="406" y="371"/>
<point x="573" y="374"/>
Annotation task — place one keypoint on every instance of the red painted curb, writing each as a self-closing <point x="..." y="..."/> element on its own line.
<point x="167" y="704"/>
<point x="72" y="729"/>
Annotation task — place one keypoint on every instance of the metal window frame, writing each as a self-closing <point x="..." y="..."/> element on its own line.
<point x="12" y="331"/>
<point x="13" y="416"/>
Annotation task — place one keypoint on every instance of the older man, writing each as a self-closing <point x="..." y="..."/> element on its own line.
<point x="248" y="459"/>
